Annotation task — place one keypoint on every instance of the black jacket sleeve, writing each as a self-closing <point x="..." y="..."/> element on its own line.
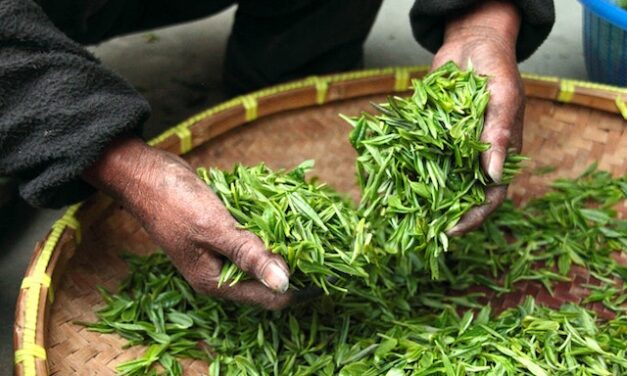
<point x="59" y="107"/>
<point x="428" y="17"/>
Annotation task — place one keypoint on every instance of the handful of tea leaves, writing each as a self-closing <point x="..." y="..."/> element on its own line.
<point x="307" y="223"/>
<point x="418" y="164"/>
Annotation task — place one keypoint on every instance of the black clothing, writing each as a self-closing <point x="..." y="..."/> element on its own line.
<point x="59" y="107"/>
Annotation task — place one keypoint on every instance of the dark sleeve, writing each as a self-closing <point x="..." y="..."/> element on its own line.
<point x="428" y="17"/>
<point x="59" y="107"/>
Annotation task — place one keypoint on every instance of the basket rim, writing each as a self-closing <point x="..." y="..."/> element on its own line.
<point x="29" y="329"/>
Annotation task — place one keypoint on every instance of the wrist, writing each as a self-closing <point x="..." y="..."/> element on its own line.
<point x="494" y="20"/>
<point x="121" y="166"/>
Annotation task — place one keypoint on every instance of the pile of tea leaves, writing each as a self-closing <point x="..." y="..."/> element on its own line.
<point x="418" y="165"/>
<point x="384" y="313"/>
<point x="392" y="329"/>
<point x="310" y="225"/>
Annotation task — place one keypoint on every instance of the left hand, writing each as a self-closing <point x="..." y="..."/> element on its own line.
<point x="190" y="223"/>
<point x="486" y="36"/>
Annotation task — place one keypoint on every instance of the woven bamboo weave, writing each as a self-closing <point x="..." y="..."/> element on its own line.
<point x="293" y="123"/>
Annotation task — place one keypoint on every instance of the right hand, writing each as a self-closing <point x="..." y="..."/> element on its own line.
<point x="187" y="219"/>
<point x="486" y="35"/>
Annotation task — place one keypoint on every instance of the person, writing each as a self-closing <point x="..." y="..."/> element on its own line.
<point x="69" y="125"/>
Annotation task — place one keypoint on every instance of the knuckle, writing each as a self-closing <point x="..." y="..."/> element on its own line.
<point x="203" y="224"/>
<point x="203" y="279"/>
<point x="242" y="252"/>
<point x="499" y="138"/>
<point x="503" y="133"/>
<point x="208" y="231"/>
<point x="496" y="195"/>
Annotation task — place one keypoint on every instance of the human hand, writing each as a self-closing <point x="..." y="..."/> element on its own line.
<point x="486" y="37"/>
<point x="187" y="219"/>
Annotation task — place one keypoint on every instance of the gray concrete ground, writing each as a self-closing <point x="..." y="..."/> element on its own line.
<point x="178" y="70"/>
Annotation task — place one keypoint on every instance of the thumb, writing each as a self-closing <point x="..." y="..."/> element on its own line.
<point x="248" y="252"/>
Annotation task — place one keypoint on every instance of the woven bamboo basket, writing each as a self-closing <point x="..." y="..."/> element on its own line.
<point x="568" y="124"/>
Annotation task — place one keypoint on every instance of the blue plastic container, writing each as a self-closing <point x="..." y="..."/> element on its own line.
<point x="605" y="41"/>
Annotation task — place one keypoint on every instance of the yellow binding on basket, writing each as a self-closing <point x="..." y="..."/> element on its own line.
<point x="250" y="105"/>
<point x="35" y="281"/>
<point x="622" y="106"/>
<point x="30" y="350"/>
<point x="185" y="135"/>
<point x="401" y="79"/>
<point x="530" y="76"/>
<point x="567" y="90"/>
<point x="322" y="88"/>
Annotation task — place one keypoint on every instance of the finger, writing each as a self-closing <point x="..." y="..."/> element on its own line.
<point x="475" y="216"/>
<point x="503" y="121"/>
<point x="248" y="252"/>
<point x="203" y="275"/>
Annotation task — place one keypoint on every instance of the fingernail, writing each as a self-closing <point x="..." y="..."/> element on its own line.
<point x="495" y="169"/>
<point x="275" y="278"/>
<point x="284" y="268"/>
